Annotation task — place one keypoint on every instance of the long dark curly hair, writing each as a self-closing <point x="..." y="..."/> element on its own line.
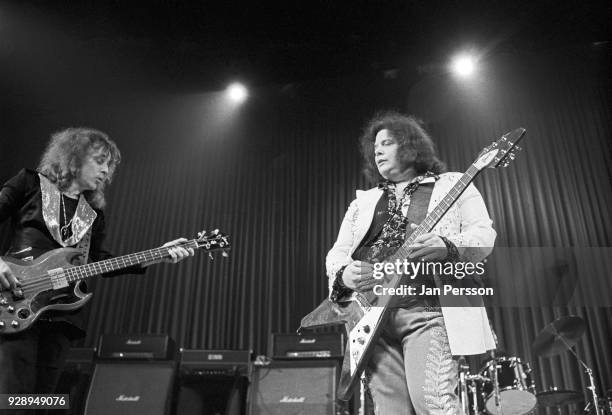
<point x="64" y="156"/>
<point x="411" y="137"/>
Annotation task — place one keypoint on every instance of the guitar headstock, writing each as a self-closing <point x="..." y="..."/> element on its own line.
<point x="501" y="152"/>
<point x="214" y="241"/>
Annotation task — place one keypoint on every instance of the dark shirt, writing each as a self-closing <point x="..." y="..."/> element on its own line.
<point x="381" y="216"/>
<point x="21" y="202"/>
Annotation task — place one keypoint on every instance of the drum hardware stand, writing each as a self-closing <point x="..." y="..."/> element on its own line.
<point x="589" y="372"/>
<point x="466" y="390"/>
<point x="495" y="381"/>
<point x="474" y="393"/>
<point x="463" y="392"/>
<point x="496" y="394"/>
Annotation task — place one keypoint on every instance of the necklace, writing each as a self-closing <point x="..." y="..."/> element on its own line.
<point x="65" y="230"/>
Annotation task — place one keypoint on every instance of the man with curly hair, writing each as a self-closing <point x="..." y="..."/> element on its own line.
<point x="59" y="205"/>
<point x="412" y="368"/>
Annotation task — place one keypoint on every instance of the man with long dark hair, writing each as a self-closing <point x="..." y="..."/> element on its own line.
<point x="59" y="205"/>
<point x="412" y="368"/>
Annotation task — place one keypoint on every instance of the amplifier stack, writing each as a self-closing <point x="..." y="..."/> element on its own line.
<point x="146" y="374"/>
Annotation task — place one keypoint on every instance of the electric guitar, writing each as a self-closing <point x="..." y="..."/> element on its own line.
<point x="364" y="318"/>
<point x="47" y="282"/>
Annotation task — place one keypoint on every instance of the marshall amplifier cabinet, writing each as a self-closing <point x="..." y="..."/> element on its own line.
<point x="307" y="346"/>
<point x="295" y="387"/>
<point x="136" y="346"/>
<point x="134" y="387"/>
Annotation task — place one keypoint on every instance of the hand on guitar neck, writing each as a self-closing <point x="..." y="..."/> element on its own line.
<point x="177" y="252"/>
<point x="427" y="247"/>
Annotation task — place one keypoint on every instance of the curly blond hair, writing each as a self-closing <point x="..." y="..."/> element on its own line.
<point x="64" y="156"/>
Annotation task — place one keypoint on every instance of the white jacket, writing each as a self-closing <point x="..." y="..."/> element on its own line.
<point x="467" y="224"/>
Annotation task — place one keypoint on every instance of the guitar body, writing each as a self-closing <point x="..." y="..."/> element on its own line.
<point x="329" y="313"/>
<point x="363" y="325"/>
<point x="20" y="308"/>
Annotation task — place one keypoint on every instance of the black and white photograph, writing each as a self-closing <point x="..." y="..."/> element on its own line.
<point x="305" y="207"/>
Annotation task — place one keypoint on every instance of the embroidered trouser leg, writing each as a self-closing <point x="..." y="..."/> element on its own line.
<point x="412" y="370"/>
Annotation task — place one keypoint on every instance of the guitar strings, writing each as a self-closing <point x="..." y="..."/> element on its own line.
<point x="42" y="280"/>
<point x="69" y="272"/>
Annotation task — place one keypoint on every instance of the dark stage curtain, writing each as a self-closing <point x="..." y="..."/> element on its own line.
<point x="278" y="174"/>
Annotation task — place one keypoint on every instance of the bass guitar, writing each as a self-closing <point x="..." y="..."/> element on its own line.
<point x="365" y="317"/>
<point x="52" y="281"/>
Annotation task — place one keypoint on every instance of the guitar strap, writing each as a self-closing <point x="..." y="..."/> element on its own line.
<point x="419" y="203"/>
<point x="84" y="245"/>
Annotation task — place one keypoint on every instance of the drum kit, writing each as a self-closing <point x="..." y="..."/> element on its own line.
<point x="504" y="385"/>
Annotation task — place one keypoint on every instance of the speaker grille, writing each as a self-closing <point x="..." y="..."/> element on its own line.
<point x="130" y="389"/>
<point x="286" y="389"/>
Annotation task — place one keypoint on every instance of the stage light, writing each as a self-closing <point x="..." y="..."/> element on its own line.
<point x="237" y="92"/>
<point x="464" y="65"/>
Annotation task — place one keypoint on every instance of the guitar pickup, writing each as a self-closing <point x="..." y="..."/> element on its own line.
<point x="58" y="279"/>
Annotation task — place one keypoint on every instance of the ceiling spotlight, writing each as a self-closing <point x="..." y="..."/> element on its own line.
<point x="464" y="65"/>
<point x="237" y="92"/>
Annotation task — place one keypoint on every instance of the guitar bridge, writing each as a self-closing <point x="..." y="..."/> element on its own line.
<point x="363" y="303"/>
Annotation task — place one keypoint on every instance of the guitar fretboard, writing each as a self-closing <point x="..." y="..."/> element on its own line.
<point x="439" y="211"/>
<point x="121" y="262"/>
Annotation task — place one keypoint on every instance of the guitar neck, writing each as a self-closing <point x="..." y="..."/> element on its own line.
<point x="122" y="262"/>
<point x="439" y="211"/>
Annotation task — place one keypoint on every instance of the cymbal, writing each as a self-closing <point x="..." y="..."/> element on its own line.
<point x="557" y="336"/>
<point x="558" y="397"/>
